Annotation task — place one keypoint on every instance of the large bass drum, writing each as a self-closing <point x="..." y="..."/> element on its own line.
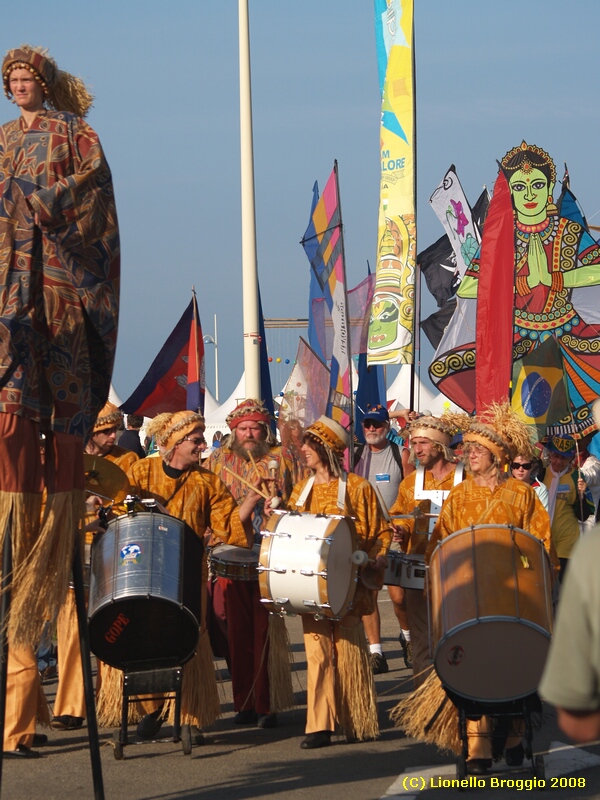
<point x="491" y="612"/>
<point x="306" y="566"/>
<point x="145" y="592"/>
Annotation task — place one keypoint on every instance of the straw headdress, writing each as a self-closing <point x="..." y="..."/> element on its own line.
<point x="500" y="430"/>
<point x="440" y="430"/>
<point x="168" y="428"/>
<point x="62" y="91"/>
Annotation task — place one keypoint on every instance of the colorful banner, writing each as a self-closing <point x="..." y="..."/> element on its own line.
<point x="305" y="394"/>
<point x="539" y="388"/>
<point x="453" y="211"/>
<point x="196" y="378"/>
<point x="391" y="328"/>
<point x="324" y="246"/>
<point x="315" y="297"/>
<point x="359" y="308"/>
<point x="495" y="306"/>
<point x="164" y="386"/>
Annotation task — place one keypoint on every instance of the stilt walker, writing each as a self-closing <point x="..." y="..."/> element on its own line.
<point x="59" y="273"/>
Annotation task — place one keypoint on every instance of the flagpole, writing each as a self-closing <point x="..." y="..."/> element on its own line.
<point x="348" y="336"/>
<point x="417" y="303"/>
<point x="249" y="264"/>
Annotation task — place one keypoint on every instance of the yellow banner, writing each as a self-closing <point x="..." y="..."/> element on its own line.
<point x="391" y="327"/>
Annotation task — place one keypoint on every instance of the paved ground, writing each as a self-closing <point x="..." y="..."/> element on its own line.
<point x="239" y="763"/>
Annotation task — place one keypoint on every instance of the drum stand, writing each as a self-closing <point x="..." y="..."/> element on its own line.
<point x="90" y="703"/>
<point x="158" y="684"/>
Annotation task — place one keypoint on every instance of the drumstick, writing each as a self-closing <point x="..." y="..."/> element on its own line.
<point x="247" y="483"/>
<point x="413" y="516"/>
<point x="273" y="467"/>
<point x="384" y="508"/>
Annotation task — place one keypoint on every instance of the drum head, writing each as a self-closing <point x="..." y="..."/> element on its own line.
<point x="493" y="660"/>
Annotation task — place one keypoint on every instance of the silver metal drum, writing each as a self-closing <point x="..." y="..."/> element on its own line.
<point x="145" y="591"/>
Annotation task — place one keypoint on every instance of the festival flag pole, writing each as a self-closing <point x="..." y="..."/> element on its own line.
<point x="348" y="341"/>
<point x="416" y="360"/>
<point x="323" y="243"/>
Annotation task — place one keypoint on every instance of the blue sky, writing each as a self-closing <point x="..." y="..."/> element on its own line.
<point x="165" y="75"/>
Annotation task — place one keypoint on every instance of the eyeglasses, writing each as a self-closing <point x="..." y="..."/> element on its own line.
<point x="371" y="423"/>
<point x="196" y="441"/>
<point x="525" y="465"/>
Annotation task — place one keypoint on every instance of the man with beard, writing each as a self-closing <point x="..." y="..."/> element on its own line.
<point x="380" y="462"/>
<point x="251" y="630"/>
<point x="69" y="706"/>
<point x="425" y="490"/>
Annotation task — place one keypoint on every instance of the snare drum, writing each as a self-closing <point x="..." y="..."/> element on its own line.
<point x="306" y="564"/>
<point x="491" y="612"/>
<point x="405" y="569"/>
<point x="235" y="563"/>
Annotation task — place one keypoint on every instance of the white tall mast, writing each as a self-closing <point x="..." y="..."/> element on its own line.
<point x="249" y="266"/>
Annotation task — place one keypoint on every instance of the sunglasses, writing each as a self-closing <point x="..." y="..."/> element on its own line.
<point x="525" y="465"/>
<point x="373" y="424"/>
<point x="195" y="441"/>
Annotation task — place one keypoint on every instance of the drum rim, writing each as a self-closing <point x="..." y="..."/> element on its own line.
<point x="490" y="526"/>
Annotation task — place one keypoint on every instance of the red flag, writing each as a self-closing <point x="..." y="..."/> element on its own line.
<point x="195" y="371"/>
<point x="495" y="300"/>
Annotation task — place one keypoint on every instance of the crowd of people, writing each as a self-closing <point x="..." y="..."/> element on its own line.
<point x="404" y="495"/>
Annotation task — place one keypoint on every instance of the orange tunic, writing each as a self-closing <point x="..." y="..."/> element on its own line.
<point x="418" y="530"/>
<point x="511" y="503"/>
<point x="197" y="497"/>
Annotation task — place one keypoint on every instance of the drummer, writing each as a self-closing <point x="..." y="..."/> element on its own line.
<point x="340" y="689"/>
<point x="251" y="631"/>
<point x="490" y="496"/>
<point x="425" y="489"/>
<point x="69" y="706"/>
<point x="201" y="499"/>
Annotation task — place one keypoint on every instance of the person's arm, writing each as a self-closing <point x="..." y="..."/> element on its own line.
<point x="580" y="726"/>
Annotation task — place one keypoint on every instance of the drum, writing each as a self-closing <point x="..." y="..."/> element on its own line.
<point x="491" y="612"/>
<point x="405" y="569"/>
<point x="236" y="563"/>
<point x="306" y="564"/>
<point x="145" y="592"/>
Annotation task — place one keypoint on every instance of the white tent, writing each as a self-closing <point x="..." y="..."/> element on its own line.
<point x="425" y="399"/>
<point x="215" y="420"/>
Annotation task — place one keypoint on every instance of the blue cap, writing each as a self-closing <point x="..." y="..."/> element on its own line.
<point x="377" y="413"/>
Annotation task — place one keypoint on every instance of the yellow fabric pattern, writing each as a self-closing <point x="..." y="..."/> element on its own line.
<point x="122" y="458"/>
<point x="223" y="457"/>
<point x="405" y="504"/>
<point x="512" y="503"/>
<point x="198" y="497"/>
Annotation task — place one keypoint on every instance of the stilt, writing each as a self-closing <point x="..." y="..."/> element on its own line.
<point x="4" y="611"/>
<point x="86" y="665"/>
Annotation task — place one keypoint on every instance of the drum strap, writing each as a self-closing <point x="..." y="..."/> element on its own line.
<point x="341" y="497"/>
<point x="306" y="491"/>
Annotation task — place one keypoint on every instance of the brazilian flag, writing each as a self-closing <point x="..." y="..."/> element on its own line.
<point x="540" y="396"/>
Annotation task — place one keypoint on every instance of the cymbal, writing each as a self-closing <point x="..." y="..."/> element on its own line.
<point x="105" y="479"/>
